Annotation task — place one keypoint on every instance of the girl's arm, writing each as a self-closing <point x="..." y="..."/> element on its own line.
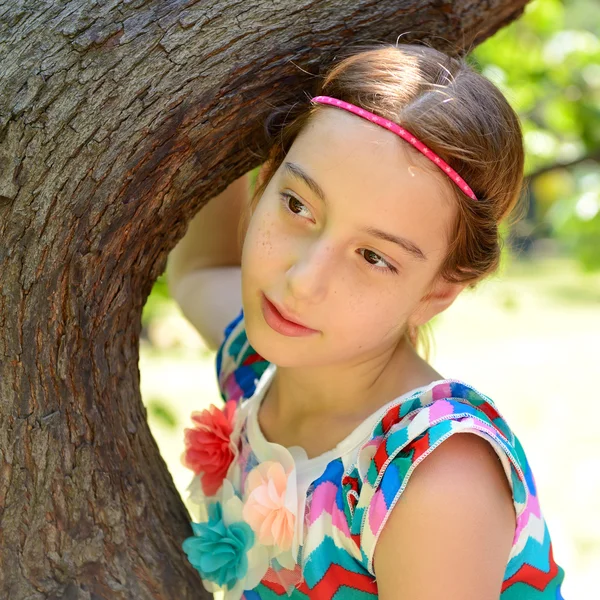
<point x="211" y="237"/>
<point x="203" y="270"/>
<point x="451" y="532"/>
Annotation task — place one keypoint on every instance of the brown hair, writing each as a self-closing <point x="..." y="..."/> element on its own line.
<point x="455" y="111"/>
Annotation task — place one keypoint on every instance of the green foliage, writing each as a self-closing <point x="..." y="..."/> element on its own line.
<point x="157" y="301"/>
<point x="576" y="219"/>
<point x="162" y="413"/>
<point x="547" y="63"/>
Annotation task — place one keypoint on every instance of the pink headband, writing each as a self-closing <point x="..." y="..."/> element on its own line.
<point x="405" y="135"/>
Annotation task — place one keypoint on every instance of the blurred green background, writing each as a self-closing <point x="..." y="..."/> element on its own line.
<point x="528" y="337"/>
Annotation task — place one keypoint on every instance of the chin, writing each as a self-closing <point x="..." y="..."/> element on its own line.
<point x="265" y="341"/>
<point x="275" y="348"/>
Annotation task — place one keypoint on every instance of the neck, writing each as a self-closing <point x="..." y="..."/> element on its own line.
<point x="299" y="394"/>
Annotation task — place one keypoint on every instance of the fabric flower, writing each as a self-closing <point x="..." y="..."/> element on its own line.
<point x="267" y="506"/>
<point x="223" y="548"/>
<point x="218" y="552"/>
<point x="209" y="450"/>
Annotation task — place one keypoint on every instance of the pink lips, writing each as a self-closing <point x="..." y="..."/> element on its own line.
<point x="279" y="323"/>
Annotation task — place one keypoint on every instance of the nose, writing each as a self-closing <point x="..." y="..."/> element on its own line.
<point x="309" y="278"/>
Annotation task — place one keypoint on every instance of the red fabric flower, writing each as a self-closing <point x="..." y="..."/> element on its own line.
<point x="208" y="449"/>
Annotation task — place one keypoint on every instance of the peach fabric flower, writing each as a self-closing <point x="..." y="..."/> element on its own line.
<point x="208" y="448"/>
<point x="265" y="508"/>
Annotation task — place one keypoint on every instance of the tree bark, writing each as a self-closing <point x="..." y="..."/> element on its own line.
<point x="118" y="121"/>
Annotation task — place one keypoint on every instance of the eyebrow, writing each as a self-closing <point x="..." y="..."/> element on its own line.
<point x="296" y="171"/>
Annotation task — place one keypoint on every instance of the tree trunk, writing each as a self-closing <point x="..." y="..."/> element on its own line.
<point x="118" y="121"/>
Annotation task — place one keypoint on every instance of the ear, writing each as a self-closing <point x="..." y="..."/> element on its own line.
<point x="438" y="299"/>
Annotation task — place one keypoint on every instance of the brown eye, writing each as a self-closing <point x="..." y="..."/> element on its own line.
<point x="370" y="254"/>
<point x="292" y="204"/>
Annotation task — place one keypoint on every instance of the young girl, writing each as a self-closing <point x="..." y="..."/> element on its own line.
<point x="379" y="202"/>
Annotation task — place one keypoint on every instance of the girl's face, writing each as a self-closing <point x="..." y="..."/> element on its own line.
<point x="312" y="248"/>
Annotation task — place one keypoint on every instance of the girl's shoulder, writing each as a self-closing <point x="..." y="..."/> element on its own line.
<point x="440" y="409"/>
<point x="238" y="365"/>
<point x="409" y="430"/>
<point x="407" y="433"/>
<point x="415" y="425"/>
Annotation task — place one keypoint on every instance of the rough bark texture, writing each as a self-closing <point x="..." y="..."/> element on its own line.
<point x="118" y="121"/>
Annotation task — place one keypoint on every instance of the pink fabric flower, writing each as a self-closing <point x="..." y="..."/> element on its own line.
<point x="265" y="508"/>
<point x="208" y="448"/>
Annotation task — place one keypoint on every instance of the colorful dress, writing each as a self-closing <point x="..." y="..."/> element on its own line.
<point x="273" y="523"/>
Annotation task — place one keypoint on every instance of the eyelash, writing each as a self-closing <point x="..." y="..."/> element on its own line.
<point x="390" y="269"/>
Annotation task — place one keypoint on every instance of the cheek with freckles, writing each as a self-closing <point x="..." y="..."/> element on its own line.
<point x="261" y="258"/>
<point x="263" y="250"/>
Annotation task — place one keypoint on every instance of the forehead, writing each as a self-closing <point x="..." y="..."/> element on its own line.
<point x="342" y="139"/>
<point x="370" y="169"/>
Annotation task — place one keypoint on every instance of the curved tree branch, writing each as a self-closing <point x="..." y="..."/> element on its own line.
<point x="593" y="156"/>
<point x="118" y="121"/>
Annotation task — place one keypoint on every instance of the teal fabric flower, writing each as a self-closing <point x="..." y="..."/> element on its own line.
<point x="219" y="551"/>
